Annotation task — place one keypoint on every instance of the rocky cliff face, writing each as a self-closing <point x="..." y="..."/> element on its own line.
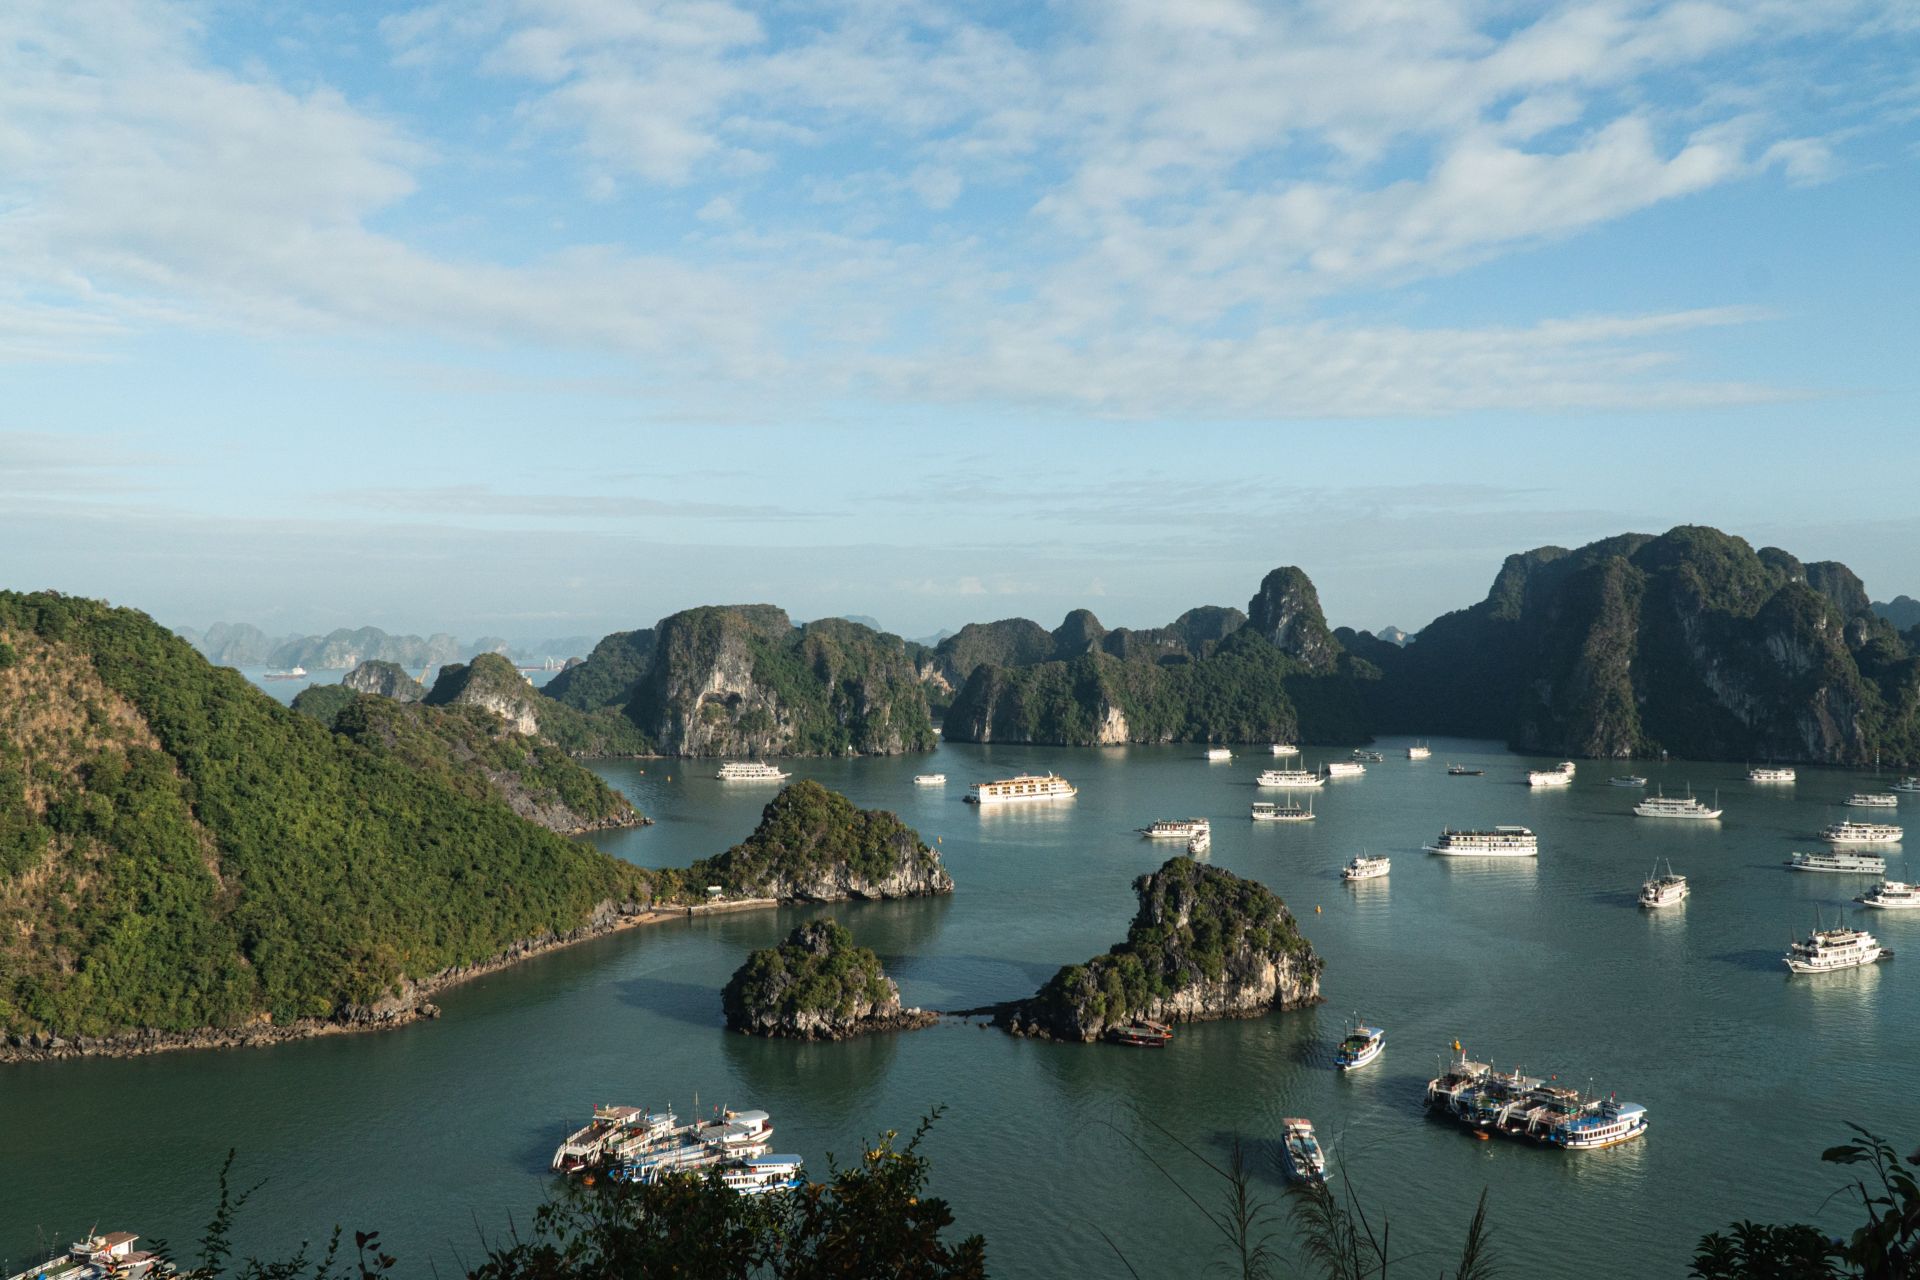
<point x="817" y="985"/>
<point x="385" y="679"/>
<point x="1204" y="944"/>
<point x="1286" y="611"/>
<point x="1690" y="642"/>
<point x="491" y="683"/>
<point x="813" y="845"/>
<point x="742" y="680"/>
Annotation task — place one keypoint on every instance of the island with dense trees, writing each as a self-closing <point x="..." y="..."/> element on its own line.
<point x="817" y="985"/>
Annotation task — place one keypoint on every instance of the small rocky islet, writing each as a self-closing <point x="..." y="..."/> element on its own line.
<point x="817" y="985"/>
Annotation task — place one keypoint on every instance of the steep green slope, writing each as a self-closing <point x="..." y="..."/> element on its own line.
<point x="1690" y="642"/>
<point x="609" y="676"/>
<point x="492" y="682"/>
<point x="178" y="850"/>
<point x="813" y="844"/>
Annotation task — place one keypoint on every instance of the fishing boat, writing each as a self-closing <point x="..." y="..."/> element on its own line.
<point x="1176" y="828"/>
<point x="1305" y="1161"/>
<point x="1268" y="811"/>
<point x="1464" y="771"/>
<point x="1419" y="751"/>
<point x="1361" y="1046"/>
<point x="1559" y="776"/>
<point x="1219" y="755"/>
<point x="1771" y="774"/>
<point x="1839" y="862"/>
<point x="1366" y="868"/>
<point x="1850" y="832"/>
<point x="1825" y="950"/>
<point x="1891" y="895"/>
<point x="1141" y="1033"/>
<point x="1499" y="842"/>
<point x="929" y="779"/>
<point x="1627" y="780"/>
<point x="1659" y="805"/>
<point x="1663" y="890"/>
<point x="1294" y="779"/>
<point x="1874" y="800"/>
<point x="750" y="771"/>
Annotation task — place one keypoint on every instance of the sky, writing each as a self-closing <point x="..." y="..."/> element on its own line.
<point x="549" y="317"/>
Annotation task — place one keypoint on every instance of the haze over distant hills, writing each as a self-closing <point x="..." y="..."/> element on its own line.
<point x="245" y="645"/>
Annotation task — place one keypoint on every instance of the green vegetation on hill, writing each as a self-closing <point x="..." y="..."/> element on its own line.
<point x="815" y="843"/>
<point x="323" y="701"/>
<point x="1690" y="642"/>
<point x="492" y="682"/>
<point x="179" y="851"/>
<point x="1201" y="933"/>
<point x="609" y="675"/>
<point x="816" y="984"/>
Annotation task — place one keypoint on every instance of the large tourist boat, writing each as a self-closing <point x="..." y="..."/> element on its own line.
<point x="1769" y="773"/>
<point x="1825" y="950"/>
<point x="761" y="1175"/>
<point x="636" y="1144"/>
<point x="1366" y="868"/>
<point x="1305" y="1161"/>
<point x="1687" y="806"/>
<point x="1498" y="842"/>
<point x="291" y="673"/>
<point x="1839" y="861"/>
<point x="586" y="1146"/>
<point x="1028" y="788"/>
<point x="1663" y="890"/>
<point x="1361" y="1046"/>
<point x="1345" y="768"/>
<point x="1874" y="800"/>
<point x="1419" y="751"/>
<point x="1297" y="779"/>
<point x="750" y="771"/>
<point x="929" y="779"/>
<point x="1514" y="1105"/>
<point x="1850" y="832"/>
<point x="1284" y="749"/>
<point x="1175" y="828"/>
<point x="1199" y="842"/>
<point x="1559" y="776"/>
<point x="1268" y="811"/>
<point x="1891" y="895"/>
<point x="1219" y="755"/>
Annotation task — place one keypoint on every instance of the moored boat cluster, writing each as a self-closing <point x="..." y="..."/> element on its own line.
<point x="634" y="1144"/>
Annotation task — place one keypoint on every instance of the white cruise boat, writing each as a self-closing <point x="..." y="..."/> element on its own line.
<point x="1028" y="788"/>
<point x="929" y="779"/>
<point x="1556" y="777"/>
<point x="1824" y="950"/>
<point x="1268" y="811"/>
<point x="1366" y="868"/>
<point x="1284" y="749"/>
<point x="1500" y="842"/>
<point x="1199" y="842"/>
<point x="1665" y="806"/>
<point x="1601" y="1124"/>
<point x="1771" y="774"/>
<point x="1361" y="1046"/>
<point x="1176" y="829"/>
<point x="1874" y="800"/>
<point x="1851" y="832"/>
<point x="759" y="1175"/>
<point x="1219" y="754"/>
<point x="1419" y="751"/>
<point x="749" y="771"/>
<point x="1345" y="768"/>
<point x="1663" y="890"/>
<point x="1891" y="895"/>
<point x="1305" y="1161"/>
<point x="1297" y="779"/>
<point x="1907" y="784"/>
<point x="1839" y="861"/>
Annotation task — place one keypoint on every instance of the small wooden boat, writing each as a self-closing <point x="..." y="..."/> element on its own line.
<point x="1142" y="1033"/>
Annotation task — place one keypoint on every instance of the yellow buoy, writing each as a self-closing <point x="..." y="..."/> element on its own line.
<point x="1316" y="911"/>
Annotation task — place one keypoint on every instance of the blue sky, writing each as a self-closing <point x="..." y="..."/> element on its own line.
<point x="543" y="317"/>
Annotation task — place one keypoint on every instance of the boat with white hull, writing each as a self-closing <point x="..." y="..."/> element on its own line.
<point x="1771" y="774"/>
<point x="1513" y="1105"/>
<point x="1907" y="784"/>
<point x="1294" y="779"/>
<point x="1825" y="950"/>
<point x="1839" y="862"/>
<point x="1362" y="1045"/>
<point x="1663" y="890"/>
<point x="750" y="771"/>
<point x="1687" y="806"/>
<point x="1366" y="868"/>
<point x="1873" y="800"/>
<point x="1028" y="788"/>
<point x="1176" y="829"/>
<point x="1891" y="895"/>
<point x="1305" y="1161"/>
<point x="1284" y="749"/>
<point x="1419" y="751"/>
<point x="1850" y="832"/>
<point x="1559" y="776"/>
<point x="1345" y="768"/>
<point x="1219" y="755"/>
<point x="1268" y="811"/>
<point x="929" y="779"/>
<point x="1498" y="842"/>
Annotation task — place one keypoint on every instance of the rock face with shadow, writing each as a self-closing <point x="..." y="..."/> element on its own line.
<point x="817" y="985"/>
<point x="1204" y="944"/>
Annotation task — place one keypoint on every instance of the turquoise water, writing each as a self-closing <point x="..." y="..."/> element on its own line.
<point x="1749" y="1073"/>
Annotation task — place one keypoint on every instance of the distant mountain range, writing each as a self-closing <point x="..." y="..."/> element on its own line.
<point x="245" y="645"/>
<point x="1902" y="611"/>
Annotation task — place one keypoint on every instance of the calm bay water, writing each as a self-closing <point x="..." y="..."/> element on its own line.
<point x="424" y="1132"/>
